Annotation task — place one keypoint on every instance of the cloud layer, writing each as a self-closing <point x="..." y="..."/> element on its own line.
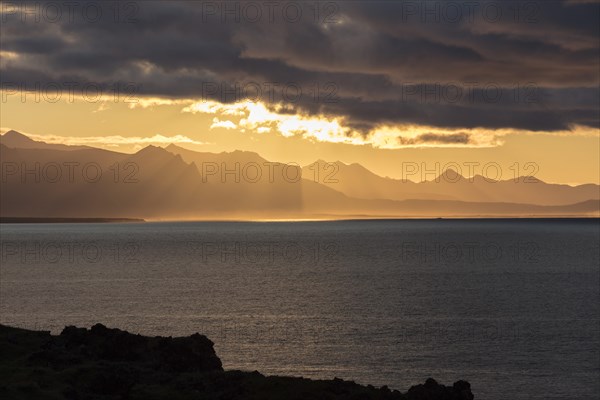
<point x="456" y="66"/>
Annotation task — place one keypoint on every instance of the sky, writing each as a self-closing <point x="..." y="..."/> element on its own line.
<point x="380" y="83"/>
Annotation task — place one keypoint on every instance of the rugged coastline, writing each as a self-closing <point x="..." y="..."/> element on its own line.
<point x="103" y="363"/>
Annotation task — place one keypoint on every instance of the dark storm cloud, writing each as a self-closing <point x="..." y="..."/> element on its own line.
<point x="527" y="65"/>
<point x="434" y="138"/>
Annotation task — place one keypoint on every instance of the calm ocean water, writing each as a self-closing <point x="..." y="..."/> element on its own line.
<point x="511" y="306"/>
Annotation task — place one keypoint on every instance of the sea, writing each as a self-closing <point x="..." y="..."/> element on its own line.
<point x="510" y="305"/>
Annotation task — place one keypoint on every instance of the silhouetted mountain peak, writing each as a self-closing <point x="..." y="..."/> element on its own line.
<point x="357" y="166"/>
<point x="151" y="149"/>
<point x="12" y="134"/>
<point x="323" y="163"/>
<point x="154" y="153"/>
<point x="450" y="175"/>
<point x="172" y="147"/>
<point x="529" y="179"/>
<point x="17" y="140"/>
<point x="14" y="138"/>
<point x="243" y="152"/>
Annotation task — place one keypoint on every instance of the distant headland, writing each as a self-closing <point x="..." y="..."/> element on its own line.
<point x="28" y="220"/>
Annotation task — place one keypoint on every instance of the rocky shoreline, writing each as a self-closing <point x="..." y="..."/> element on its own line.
<point x="102" y="363"/>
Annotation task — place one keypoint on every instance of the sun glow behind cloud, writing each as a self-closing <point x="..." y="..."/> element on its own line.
<point x="257" y="117"/>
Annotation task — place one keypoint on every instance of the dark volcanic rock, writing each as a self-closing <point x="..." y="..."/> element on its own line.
<point x="432" y="390"/>
<point x="185" y="354"/>
<point x="102" y="363"/>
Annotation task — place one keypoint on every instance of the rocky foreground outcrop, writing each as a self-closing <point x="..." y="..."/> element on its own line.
<point x="102" y="363"/>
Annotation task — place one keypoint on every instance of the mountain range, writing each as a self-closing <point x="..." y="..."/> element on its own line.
<point x="46" y="180"/>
